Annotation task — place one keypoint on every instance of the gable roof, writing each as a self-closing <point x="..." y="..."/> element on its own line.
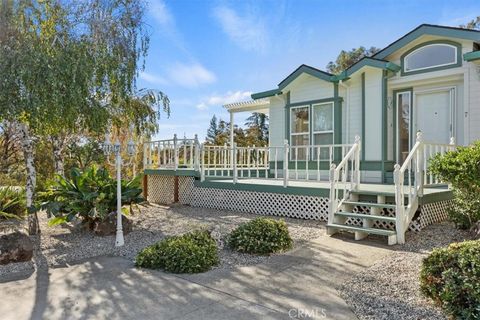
<point x="317" y="73"/>
<point x="428" y="29"/>
<point x="377" y="60"/>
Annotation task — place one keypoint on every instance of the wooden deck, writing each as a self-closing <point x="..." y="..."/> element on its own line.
<point x="321" y="188"/>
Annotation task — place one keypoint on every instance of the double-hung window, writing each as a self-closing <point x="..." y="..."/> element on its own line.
<point x="299" y="131"/>
<point x="322" y="131"/>
<point x="311" y="125"/>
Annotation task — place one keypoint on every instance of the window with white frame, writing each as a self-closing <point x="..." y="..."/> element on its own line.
<point x="430" y="56"/>
<point x="322" y="128"/>
<point x="320" y="133"/>
<point x="299" y="131"/>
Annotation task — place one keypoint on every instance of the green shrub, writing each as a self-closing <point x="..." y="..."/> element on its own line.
<point x="189" y="253"/>
<point x="261" y="236"/>
<point x="451" y="277"/>
<point x="461" y="168"/>
<point x="12" y="203"/>
<point x="90" y="195"/>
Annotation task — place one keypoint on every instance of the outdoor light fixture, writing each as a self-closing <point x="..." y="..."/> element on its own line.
<point x="109" y="148"/>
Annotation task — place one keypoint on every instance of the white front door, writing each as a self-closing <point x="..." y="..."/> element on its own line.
<point x="433" y="115"/>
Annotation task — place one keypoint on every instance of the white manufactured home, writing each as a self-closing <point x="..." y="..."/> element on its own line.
<point x="351" y="149"/>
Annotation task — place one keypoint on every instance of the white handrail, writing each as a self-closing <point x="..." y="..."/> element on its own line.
<point x="348" y="170"/>
<point x="415" y="170"/>
<point x="172" y="154"/>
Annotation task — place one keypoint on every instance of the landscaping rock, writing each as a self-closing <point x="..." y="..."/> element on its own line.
<point x="15" y="247"/>
<point x="109" y="226"/>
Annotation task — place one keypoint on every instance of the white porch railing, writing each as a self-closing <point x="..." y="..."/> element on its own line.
<point x="309" y="163"/>
<point x="345" y="177"/>
<point x="172" y="154"/>
<point x="410" y="179"/>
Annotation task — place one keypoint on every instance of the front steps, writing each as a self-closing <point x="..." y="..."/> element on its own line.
<point x="350" y="210"/>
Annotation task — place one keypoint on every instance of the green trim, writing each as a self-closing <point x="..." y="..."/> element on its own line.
<point x="170" y="172"/>
<point x="363" y="116"/>
<point x="472" y="56"/>
<point x="395" y="115"/>
<point x="337" y="116"/>
<point x="372" y="165"/>
<point x="435" y="197"/>
<point x="266" y="94"/>
<point x="322" y="75"/>
<point x="384" y="120"/>
<point x="431" y="30"/>
<point x="287" y="118"/>
<point x="371" y="62"/>
<point x="423" y="44"/>
<point x="312" y="191"/>
<point x="310" y="102"/>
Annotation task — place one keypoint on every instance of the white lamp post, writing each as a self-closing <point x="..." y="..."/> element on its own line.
<point x="108" y="148"/>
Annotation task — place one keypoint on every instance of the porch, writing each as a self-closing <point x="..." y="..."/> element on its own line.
<point x="309" y="182"/>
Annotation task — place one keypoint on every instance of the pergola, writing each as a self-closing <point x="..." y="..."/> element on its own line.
<point x="259" y="105"/>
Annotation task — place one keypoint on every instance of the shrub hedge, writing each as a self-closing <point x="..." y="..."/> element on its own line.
<point x="451" y="277"/>
<point x="261" y="236"/>
<point x="189" y="253"/>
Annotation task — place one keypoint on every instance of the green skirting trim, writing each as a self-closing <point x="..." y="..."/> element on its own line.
<point x="171" y="172"/>
<point x="436" y="197"/>
<point x="304" y="191"/>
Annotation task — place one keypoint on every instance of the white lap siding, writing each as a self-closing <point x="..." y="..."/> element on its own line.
<point x="373" y="115"/>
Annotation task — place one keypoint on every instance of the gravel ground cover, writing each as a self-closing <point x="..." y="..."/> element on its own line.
<point x="390" y="288"/>
<point x="61" y="245"/>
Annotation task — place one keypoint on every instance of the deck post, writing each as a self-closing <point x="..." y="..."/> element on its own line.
<point x="400" y="208"/>
<point x="419" y="166"/>
<point x="333" y="201"/>
<point x="234" y="163"/>
<point x="285" y="163"/>
<point x="232" y="131"/>
<point x="196" y="158"/>
<point x="175" y="151"/>
<point x="145" y="158"/>
<point x="357" y="161"/>
<point x="202" y="163"/>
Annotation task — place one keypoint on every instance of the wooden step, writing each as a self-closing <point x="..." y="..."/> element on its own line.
<point x="380" y="232"/>
<point x="365" y="216"/>
<point x="370" y="204"/>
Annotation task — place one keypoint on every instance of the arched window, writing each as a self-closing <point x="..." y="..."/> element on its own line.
<point x="429" y="56"/>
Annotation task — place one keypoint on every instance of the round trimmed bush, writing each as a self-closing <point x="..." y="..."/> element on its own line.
<point x="261" y="236"/>
<point x="189" y="253"/>
<point x="451" y="277"/>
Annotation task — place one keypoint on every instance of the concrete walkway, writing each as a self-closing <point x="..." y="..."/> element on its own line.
<point x="297" y="285"/>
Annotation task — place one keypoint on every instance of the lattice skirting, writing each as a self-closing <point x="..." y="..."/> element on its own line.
<point x="161" y="190"/>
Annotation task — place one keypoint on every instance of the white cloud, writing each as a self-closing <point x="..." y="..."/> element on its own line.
<point x="151" y="78"/>
<point x="219" y="100"/>
<point x="191" y="75"/>
<point x="160" y="12"/>
<point x="248" y="32"/>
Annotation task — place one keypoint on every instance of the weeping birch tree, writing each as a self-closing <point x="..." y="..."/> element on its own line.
<point x="67" y="69"/>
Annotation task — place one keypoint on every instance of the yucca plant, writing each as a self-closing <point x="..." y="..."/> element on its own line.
<point x="89" y="195"/>
<point x="12" y="203"/>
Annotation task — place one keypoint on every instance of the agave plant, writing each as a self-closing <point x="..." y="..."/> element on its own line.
<point x="89" y="195"/>
<point x="12" y="203"/>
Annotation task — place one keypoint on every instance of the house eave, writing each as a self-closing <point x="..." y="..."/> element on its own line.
<point x="427" y="29"/>
<point x="266" y="94"/>
<point x="472" y="56"/>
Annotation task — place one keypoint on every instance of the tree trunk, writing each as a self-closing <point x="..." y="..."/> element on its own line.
<point x="28" y="152"/>
<point x="57" y="146"/>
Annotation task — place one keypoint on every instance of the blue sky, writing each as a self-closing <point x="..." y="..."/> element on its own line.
<point x="204" y="54"/>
